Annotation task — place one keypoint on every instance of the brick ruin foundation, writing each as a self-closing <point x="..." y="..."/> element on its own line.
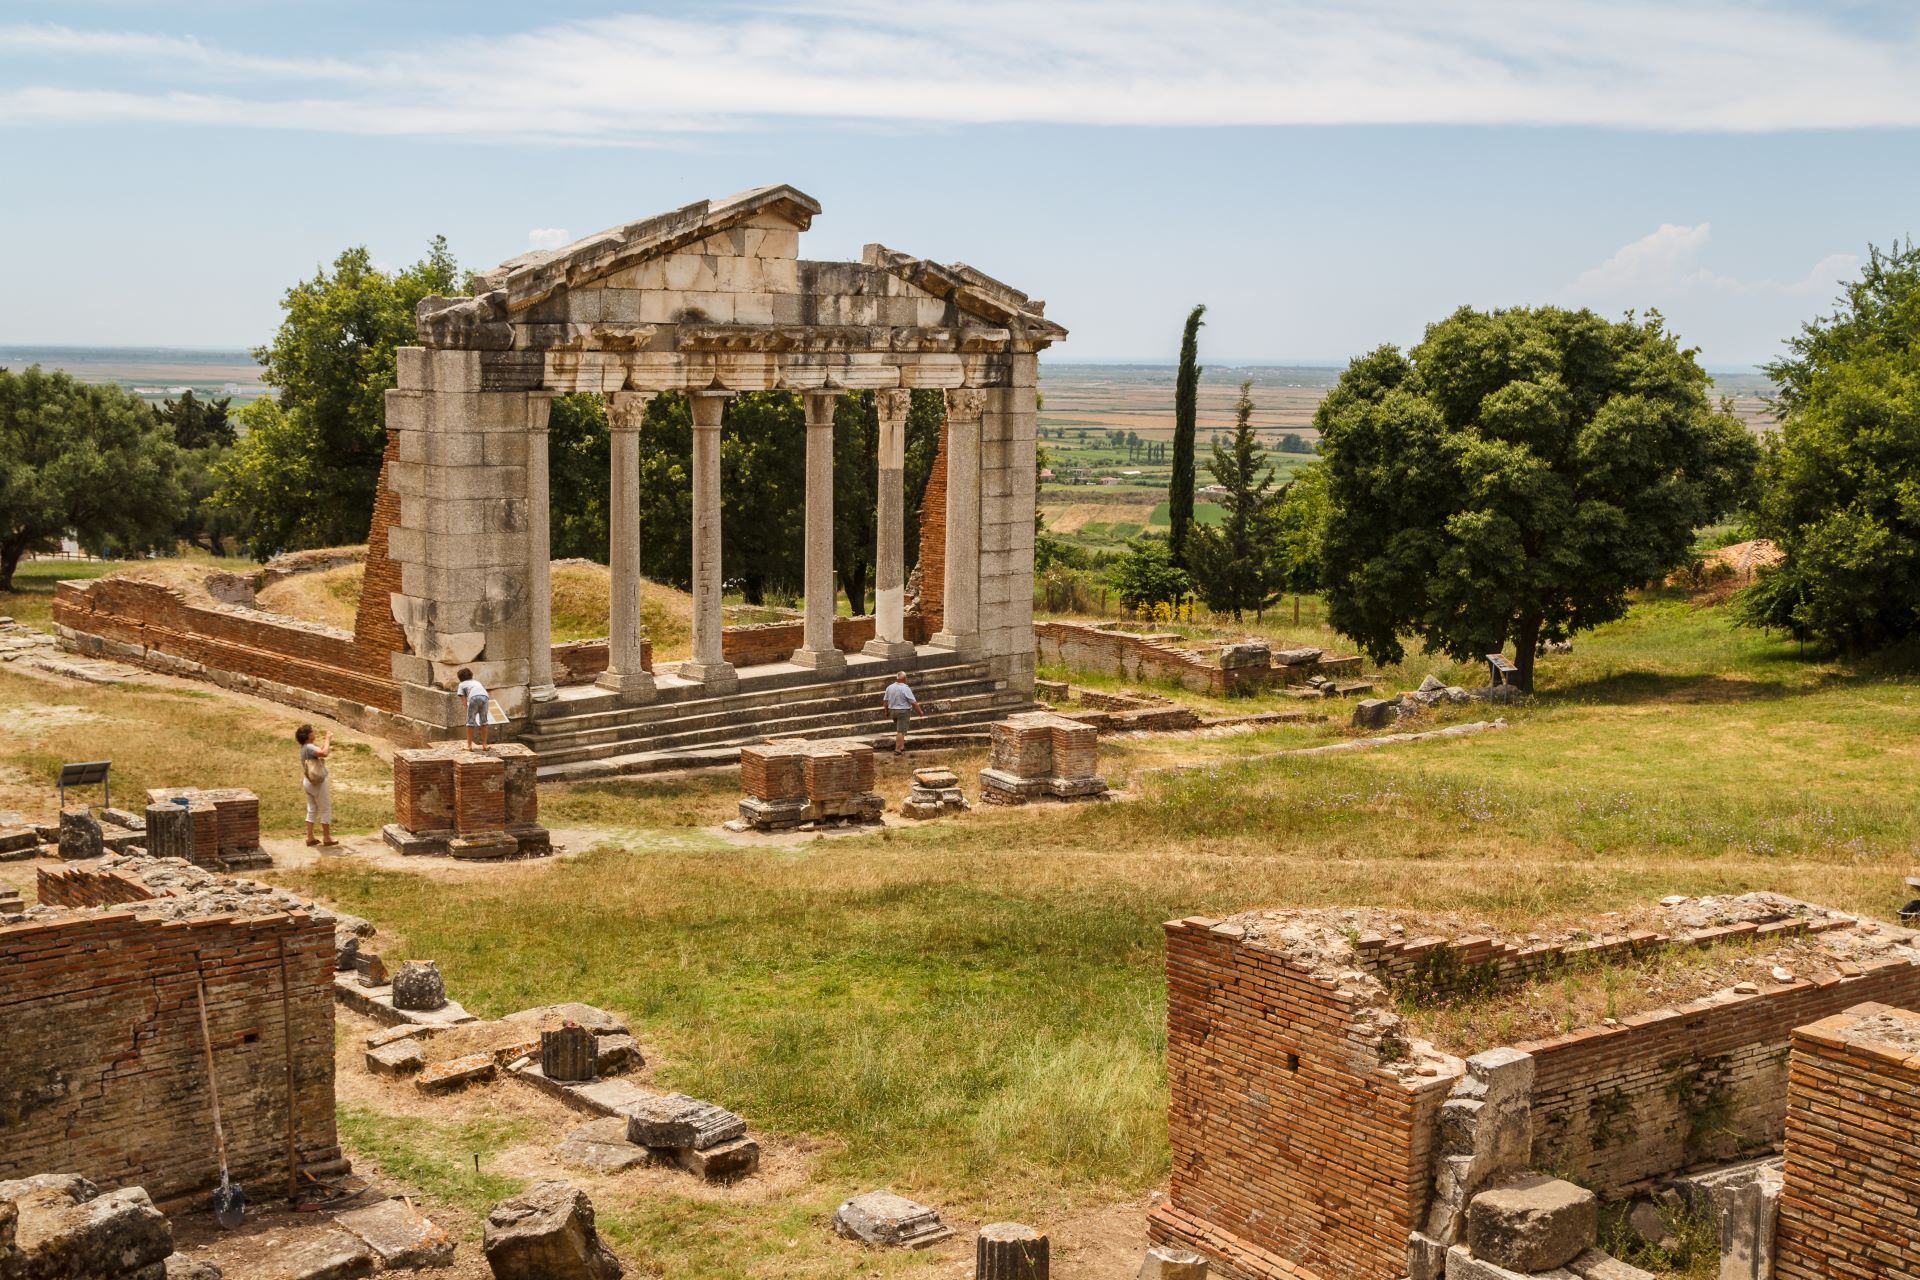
<point x="1219" y="669"/>
<point x="792" y="781"/>
<point x="1040" y="755"/>
<point x="1310" y="1130"/>
<point x="479" y="804"/>
<point x="104" y="1073"/>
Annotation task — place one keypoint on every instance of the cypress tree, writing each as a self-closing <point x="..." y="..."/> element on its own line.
<point x="1186" y="394"/>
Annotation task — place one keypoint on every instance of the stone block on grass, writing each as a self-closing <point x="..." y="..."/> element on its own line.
<point x="681" y="1123"/>
<point x="883" y="1218"/>
<point x="1532" y="1223"/>
<point x="547" y="1233"/>
<point x="455" y="1073"/>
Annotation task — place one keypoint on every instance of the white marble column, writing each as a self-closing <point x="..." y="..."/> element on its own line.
<point x="624" y="674"/>
<point x="709" y="664"/>
<point x="817" y="649"/>
<point x="960" y="620"/>
<point x="539" y="553"/>
<point x="890" y="552"/>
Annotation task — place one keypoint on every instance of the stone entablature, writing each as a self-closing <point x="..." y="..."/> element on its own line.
<point x="706" y="301"/>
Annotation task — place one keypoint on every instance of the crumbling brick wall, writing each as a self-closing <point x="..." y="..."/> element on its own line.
<point x="103" y="1073"/>
<point x="1297" y="1151"/>
<point x="1850" y="1190"/>
<point x="932" y="566"/>
<point x="1615" y="1107"/>
<point x="81" y="885"/>
<point x="376" y="632"/>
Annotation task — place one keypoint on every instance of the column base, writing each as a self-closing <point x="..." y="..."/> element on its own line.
<point x="543" y="693"/>
<point x="828" y="662"/>
<point x="878" y="648"/>
<point x="632" y="686"/>
<point x="966" y="645"/>
<point x="715" y="677"/>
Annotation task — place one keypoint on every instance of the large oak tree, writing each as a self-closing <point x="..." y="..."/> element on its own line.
<point x="1514" y="476"/>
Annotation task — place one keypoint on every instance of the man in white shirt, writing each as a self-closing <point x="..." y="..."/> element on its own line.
<point x="901" y="705"/>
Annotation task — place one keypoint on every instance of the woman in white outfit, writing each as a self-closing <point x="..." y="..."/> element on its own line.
<point x="313" y="780"/>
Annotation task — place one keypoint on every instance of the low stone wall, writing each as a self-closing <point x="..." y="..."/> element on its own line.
<point x="104" y="1073"/>
<point x="1100" y="647"/>
<point x="1850" y="1190"/>
<point x="1302" y="1136"/>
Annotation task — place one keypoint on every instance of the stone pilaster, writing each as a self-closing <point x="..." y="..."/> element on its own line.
<point x="539" y="553"/>
<point x="890" y="575"/>
<point x="1005" y="562"/>
<point x="960" y="610"/>
<point x="708" y="664"/>
<point x="817" y="649"/>
<point x="626" y="410"/>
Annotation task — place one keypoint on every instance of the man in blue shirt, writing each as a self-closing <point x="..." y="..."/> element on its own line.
<point x="901" y="705"/>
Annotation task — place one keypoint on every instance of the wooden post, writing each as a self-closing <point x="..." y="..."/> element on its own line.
<point x="1010" y="1251"/>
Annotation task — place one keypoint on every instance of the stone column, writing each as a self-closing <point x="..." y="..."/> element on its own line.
<point x="539" y="553"/>
<point x="817" y="649"/>
<point x="960" y="623"/>
<point x="624" y="674"/>
<point x="709" y="664"/>
<point x="890" y="552"/>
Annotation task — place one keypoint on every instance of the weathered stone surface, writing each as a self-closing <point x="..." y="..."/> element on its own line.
<point x="1248" y="653"/>
<point x="442" y="1077"/>
<point x="568" y="1053"/>
<point x="677" y="1121"/>
<point x="881" y="1217"/>
<point x="418" y="985"/>
<point x="1010" y="1251"/>
<point x="1462" y="1265"/>
<point x="1485" y="1133"/>
<point x="1532" y="1223"/>
<point x="614" y="1054"/>
<point x="596" y="1020"/>
<point x="602" y="1146"/>
<point x="1164" y="1262"/>
<point x="397" y="1058"/>
<point x="181" y="1267"/>
<point x="721" y="1162"/>
<point x="399" y="1235"/>
<point x="332" y="1254"/>
<point x="81" y="836"/>
<point x="1426" y="1257"/>
<point x="61" y="1230"/>
<point x="547" y="1233"/>
<point x="1374" y="713"/>
<point x="1595" y="1265"/>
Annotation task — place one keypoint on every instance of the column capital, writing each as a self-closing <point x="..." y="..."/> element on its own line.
<point x="709" y="407"/>
<point x="626" y="410"/>
<point x="892" y="403"/>
<point x="966" y="402"/>
<point x="820" y="407"/>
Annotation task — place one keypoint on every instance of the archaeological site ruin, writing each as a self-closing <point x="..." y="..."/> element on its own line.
<point x="704" y="302"/>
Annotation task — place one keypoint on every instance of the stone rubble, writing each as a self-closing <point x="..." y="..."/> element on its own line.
<point x="883" y="1218"/>
<point x="547" y="1233"/>
<point x="934" y="792"/>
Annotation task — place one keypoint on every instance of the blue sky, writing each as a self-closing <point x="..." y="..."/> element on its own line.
<point x="1324" y="177"/>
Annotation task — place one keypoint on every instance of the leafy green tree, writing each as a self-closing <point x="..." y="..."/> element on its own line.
<point x="579" y="477"/>
<point x="197" y="423"/>
<point x="1186" y="409"/>
<point x="1294" y="442"/>
<point x="856" y="494"/>
<point x="1235" y="565"/>
<point x="1514" y="476"/>
<point x="1146" y="575"/>
<point x="1300" y="520"/>
<point x="203" y="430"/>
<point x="331" y="362"/>
<point x="88" y="460"/>
<point x="1840" y="493"/>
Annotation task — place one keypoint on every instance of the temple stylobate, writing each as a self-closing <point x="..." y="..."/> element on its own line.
<point x="706" y="301"/>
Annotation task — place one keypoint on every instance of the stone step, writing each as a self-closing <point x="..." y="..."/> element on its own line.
<point x="953" y="729"/>
<point x="560" y="735"/>
<point x="770" y="682"/>
<point x="826" y="723"/>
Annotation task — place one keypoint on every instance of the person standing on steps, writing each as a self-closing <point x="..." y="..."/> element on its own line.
<point x="476" y="697"/>
<point x="313" y="780"/>
<point x="901" y="704"/>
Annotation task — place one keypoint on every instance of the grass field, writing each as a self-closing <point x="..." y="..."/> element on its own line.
<point x="972" y="1012"/>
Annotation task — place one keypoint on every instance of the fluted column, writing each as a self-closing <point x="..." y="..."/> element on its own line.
<point x="539" y="553"/>
<point x="890" y="552"/>
<point x="960" y="622"/>
<point x="709" y="664"/>
<point x="624" y="674"/>
<point x="817" y="649"/>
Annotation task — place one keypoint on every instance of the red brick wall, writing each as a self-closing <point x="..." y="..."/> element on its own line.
<point x="1294" y="1152"/>
<point x="375" y="633"/>
<point x="84" y="886"/>
<point x="151" y="616"/>
<point x="933" y="542"/>
<point x="479" y="793"/>
<point x="102" y="1072"/>
<point x="1850" y="1195"/>
<point x="1614" y="1107"/>
<point x="423" y="788"/>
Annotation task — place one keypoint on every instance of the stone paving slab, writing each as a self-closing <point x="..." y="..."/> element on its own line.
<point x="399" y="1235"/>
<point x="601" y="1145"/>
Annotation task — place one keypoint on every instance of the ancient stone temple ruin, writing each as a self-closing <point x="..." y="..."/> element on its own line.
<point x="705" y="302"/>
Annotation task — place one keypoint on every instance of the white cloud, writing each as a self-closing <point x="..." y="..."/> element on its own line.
<point x="1716" y="65"/>
<point x="1666" y="263"/>
<point x="547" y="237"/>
